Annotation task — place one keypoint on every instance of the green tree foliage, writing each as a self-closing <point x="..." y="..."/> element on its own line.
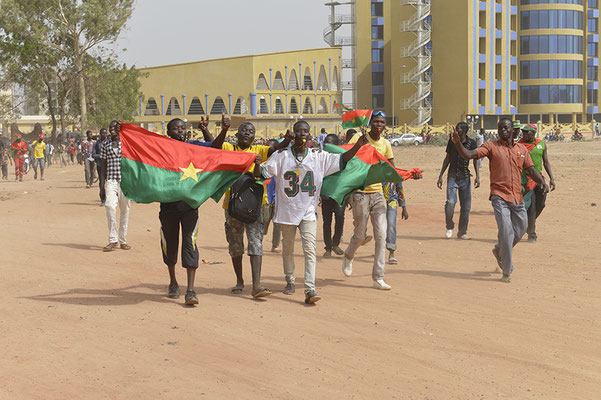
<point x="68" y="29"/>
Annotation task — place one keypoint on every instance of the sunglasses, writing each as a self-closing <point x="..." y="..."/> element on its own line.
<point x="379" y="113"/>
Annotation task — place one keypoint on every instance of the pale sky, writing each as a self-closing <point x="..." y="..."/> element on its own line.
<point x="173" y="31"/>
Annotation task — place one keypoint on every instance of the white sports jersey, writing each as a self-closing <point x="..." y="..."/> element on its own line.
<point x="298" y="182"/>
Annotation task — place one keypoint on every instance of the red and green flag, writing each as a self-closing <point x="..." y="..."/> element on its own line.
<point x="156" y="168"/>
<point x="366" y="168"/>
<point x="354" y="118"/>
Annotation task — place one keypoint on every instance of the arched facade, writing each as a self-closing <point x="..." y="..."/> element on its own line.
<point x="308" y="108"/>
<point x="307" y="81"/>
<point x="278" y="82"/>
<point x="263" y="106"/>
<point x="293" y="106"/>
<point x="322" y="80"/>
<point x="279" y="107"/>
<point x="196" y="107"/>
<point x="173" y="107"/>
<point x="241" y="107"/>
<point x="293" y="82"/>
<point x="218" y="106"/>
<point x="151" y="107"/>
<point x="262" y="83"/>
<point x="323" y="106"/>
<point x="334" y="86"/>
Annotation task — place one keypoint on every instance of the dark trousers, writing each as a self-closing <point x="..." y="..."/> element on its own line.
<point x="537" y="206"/>
<point x="4" y="171"/>
<point x="463" y="186"/>
<point x="102" y="198"/>
<point x="170" y="224"/>
<point x="329" y="207"/>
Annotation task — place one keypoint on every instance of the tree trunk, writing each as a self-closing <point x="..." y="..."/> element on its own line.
<point x="51" y="110"/>
<point x="82" y="94"/>
<point x="62" y="114"/>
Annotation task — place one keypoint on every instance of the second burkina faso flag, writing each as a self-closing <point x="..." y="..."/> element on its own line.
<point x="354" y="118"/>
<point x="366" y="168"/>
<point x="156" y="168"/>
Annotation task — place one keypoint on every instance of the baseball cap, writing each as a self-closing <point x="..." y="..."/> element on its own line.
<point x="517" y="124"/>
<point x="41" y="136"/>
<point x="530" y="127"/>
<point x="19" y="136"/>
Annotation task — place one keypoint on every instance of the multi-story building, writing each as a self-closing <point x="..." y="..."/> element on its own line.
<point x="269" y="90"/>
<point x="438" y="61"/>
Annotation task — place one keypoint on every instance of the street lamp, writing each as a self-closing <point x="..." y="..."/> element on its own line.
<point x="472" y="119"/>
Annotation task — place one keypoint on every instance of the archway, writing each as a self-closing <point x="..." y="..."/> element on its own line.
<point x="279" y="107"/>
<point x="335" y="80"/>
<point x="241" y="107"/>
<point x="151" y="108"/>
<point x="218" y="106"/>
<point x="196" y="107"/>
<point x="307" y="108"/>
<point x="323" y="107"/>
<point x="322" y="80"/>
<point x="293" y="106"/>
<point x="262" y="83"/>
<point x="263" y="107"/>
<point x="278" y="82"/>
<point x="307" y="81"/>
<point x="173" y="108"/>
<point x="293" y="81"/>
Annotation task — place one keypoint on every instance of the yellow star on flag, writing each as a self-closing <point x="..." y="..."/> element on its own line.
<point x="190" y="172"/>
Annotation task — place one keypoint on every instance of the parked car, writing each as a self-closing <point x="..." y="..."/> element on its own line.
<point x="407" y="138"/>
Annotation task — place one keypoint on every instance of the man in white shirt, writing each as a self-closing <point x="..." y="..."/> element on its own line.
<point x="299" y="174"/>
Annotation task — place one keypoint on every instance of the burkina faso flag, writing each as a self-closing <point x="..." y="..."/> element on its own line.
<point x="366" y="168"/>
<point x="354" y="118"/>
<point x="156" y="168"/>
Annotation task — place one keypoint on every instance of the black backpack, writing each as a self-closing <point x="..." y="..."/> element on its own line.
<point x="246" y="199"/>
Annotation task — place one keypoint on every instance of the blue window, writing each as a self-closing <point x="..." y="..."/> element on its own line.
<point x="592" y="24"/>
<point x="377" y="55"/>
<point x="528" y="2"/>
<point x="551" y="19"/>
<point x="593" y="4"/>
<point x="592" y="49"/>
<point x="377" y="32"/>
<point x="551" y="94"/>
<point x="544" y="44"/>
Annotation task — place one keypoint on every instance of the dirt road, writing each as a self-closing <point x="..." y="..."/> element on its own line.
<point x="79" y="323"/>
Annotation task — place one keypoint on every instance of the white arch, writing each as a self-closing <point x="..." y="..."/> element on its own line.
<point x="307" y="108"/>
<point x="323" y="106"/>
<point x="173" y="107"/>
<point x="307" y="81"/>
<point x="293" y="106"/>
<point x="218" y="106"/>
<point x="278" y="82"/>
<point x="151" y="107"/>
<point x="322" y="80"/>
<point x="335" y="79"/>
<point x="278" y="107"/>
<point x="293" y="81"/>
<point x="263" y="106"/>
<point x="240" y="107"/>
<point x="262" y="83"/>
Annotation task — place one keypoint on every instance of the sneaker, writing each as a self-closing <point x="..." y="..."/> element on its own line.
<point x="173" y="291"/>
<point x="449" y="233"/>
<point x="337" y="250"/>
<point x="380" y="284"/>
<point x="347" y="266"/>
<point x="506" y="278"/>
<point x="289" y="289"/>
<point x="531" y="239"/>
<point x="367" y="240"/>
<point x="327" y="254"/>
<point x="311" y="297"/>
<point x="191" y="298"/>
<point x="464" y="237"/>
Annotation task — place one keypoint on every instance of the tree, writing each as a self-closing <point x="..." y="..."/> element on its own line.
<point x="73" y="28"/>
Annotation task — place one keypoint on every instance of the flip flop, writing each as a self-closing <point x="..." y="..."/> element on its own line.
<point x="495" y="253"/>
<point x="261" y="292"/>
<point x="237" y="289"/>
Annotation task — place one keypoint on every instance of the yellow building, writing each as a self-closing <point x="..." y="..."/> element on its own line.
<point x="424" y="61"/>
<point x="269" y="90"/>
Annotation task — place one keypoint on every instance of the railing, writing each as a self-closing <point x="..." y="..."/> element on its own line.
<point x="348" y="63"/>
<point x="341" y="19"/>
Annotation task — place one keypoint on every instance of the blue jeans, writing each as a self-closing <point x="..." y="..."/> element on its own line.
<point x="391" y="213"/>
<point x="464" y="187"/>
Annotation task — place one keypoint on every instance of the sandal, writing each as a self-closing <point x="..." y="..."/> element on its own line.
<point x="237" y="289"/>
<point x="261" y="292"/>
<point x="125" y="246"/>
<point x="110" y="246"/>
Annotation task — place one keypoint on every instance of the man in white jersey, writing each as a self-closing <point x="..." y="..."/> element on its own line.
<point x="299" y="174"/>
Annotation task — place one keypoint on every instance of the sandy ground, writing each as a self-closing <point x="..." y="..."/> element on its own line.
<point x="79" y="323"/>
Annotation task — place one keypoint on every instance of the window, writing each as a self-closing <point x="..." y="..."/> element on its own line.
<point x="378" y="101"/>
<point x="551" y="19"/>
<point x="545" y="44"/>
<point x="377" y="78"/>
<point x="591" y="96"/>
<point x="377" y="32"/>
<point x="592" y="49"/>
<point x="551" y="94"/>
<point x="592" y="24"/>
<point x="591" y="73"/>
<point x="377" y="55"/>
<point x="593" y="4"/>
<point x="528" y="2"/>
<point x="377" y="9"/>
<point x="553" y="69"/>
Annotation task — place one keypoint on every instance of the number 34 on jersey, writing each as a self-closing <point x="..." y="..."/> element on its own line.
<point x="306" y="184"/>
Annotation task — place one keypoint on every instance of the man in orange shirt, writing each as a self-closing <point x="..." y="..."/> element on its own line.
<point x="19" y="149"/>
<point x="507" y="160"/>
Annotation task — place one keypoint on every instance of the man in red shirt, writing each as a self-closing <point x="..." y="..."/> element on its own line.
<point x="19" y="149"/>
<point x="507" y="160"/>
